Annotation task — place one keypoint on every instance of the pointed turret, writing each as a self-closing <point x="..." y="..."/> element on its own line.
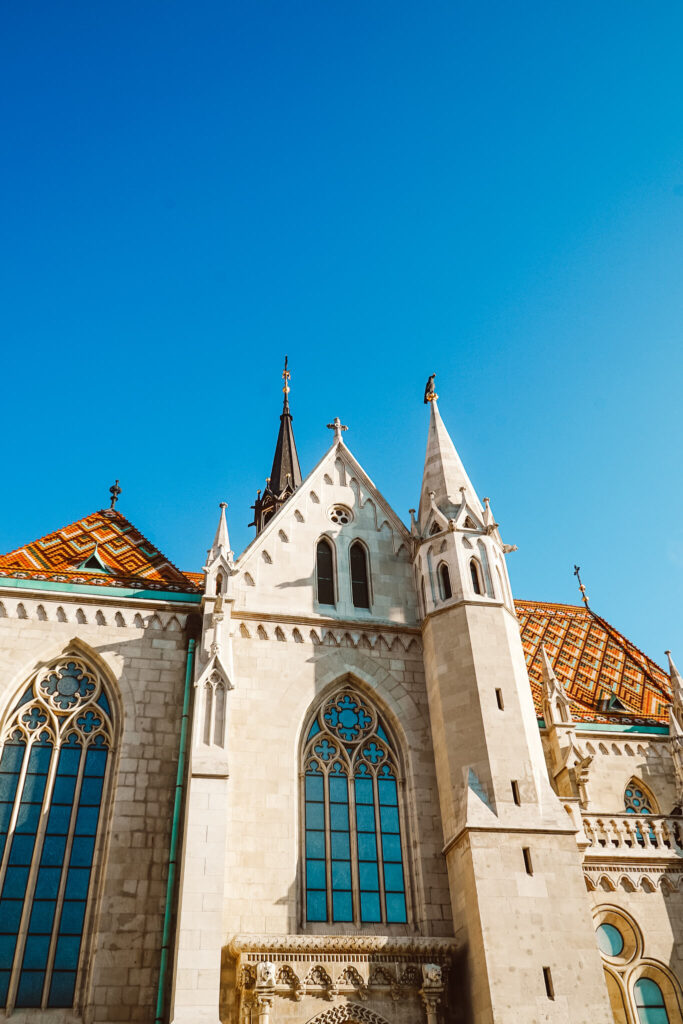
<point x="556" y="703"/>
<point x="676" y="729"/>
<point x="676" y="681"/>
<point x="285" y="475"/>
<point x="221" y="542"/>
<point x="444" y="473"/>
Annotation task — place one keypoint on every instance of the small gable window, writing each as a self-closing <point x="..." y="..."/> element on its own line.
<point x="469" y="523"/>
<point x="445" y="582"/>
<point x="650" y="1002"/>
<point x="435" y="529"/>
<point x="325" y="572"/>
<point x="637" y="800"/>
<point x="476" y="576"/>
<point x="359" y="576"/>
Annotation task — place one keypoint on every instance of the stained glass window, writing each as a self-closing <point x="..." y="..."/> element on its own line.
<point x="354" y="851"/>
<point x="637" y="800"/>
<point x="325" y="572"/>
<point x="650" y="1002"/>
<point x="359" y="576"/>
<point x="54" y="749"/>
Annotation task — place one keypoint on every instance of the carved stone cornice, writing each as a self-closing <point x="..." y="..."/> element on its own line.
<point x="404" y="945"/>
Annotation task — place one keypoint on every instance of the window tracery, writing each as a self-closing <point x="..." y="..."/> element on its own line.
<point x="353" y="848"/>
<point x="54" y="753"/>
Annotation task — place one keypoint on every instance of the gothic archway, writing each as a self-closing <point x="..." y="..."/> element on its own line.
<point x="349" y="1013"/>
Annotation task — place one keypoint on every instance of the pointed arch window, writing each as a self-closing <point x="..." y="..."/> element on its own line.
<point x="650" y="1002"/>
<point x="354" y="864"/>
<point x="637" y="800"/>
<point x="360" y="588"/>
<point x="445" y="582"/>
<point x="475" y="573"/>
<point x="54" y="759"/>
<point x="325" y="571"/>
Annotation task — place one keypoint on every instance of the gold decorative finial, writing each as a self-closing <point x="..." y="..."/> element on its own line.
<point x="430" y="393"/>
<point x="285" y="376"/>
<point x="584" y="595"/>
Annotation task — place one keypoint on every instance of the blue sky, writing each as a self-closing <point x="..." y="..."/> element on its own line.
<point x="493" y="192"/>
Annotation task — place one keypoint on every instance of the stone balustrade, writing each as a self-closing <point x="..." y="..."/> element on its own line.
<point x="631" y="835"/>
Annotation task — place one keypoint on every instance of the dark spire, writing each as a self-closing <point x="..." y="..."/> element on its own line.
<point x="285" y="476"/>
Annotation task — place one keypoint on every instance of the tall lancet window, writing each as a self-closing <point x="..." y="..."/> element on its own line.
<point x="353" y="816"/>
<point x="54" y="756"/>
<point x="325" y="571"/>
<point x="360" y="589"/>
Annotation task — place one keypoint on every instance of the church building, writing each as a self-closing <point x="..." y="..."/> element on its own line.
<point x="345" y="776"/>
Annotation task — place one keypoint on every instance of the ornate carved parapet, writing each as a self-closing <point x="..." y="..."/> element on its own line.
<point x="619" y="836"/>
<point x="369" y="971"/>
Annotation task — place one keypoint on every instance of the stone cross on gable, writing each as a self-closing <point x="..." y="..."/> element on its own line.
<point x="337" y="426"/>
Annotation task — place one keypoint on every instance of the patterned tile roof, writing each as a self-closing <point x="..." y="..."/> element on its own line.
<point x="120" y="554"/>
<point x="599" y="667"/>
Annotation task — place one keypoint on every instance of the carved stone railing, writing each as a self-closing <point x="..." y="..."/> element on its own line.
<point x="632" y="835"/>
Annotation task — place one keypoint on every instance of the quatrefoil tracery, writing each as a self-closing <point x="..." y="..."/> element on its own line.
<point x="347" y="738"/>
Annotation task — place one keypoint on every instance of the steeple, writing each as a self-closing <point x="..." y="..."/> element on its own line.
<point x="444" y="473"/>
<point x="285" y="475"/>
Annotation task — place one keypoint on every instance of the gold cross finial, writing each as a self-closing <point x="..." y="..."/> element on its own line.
<point x="285" y="376"/>
<point x="584" y="595"/>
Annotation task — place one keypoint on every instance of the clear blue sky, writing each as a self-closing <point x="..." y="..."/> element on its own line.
<point x="490" y="191"/>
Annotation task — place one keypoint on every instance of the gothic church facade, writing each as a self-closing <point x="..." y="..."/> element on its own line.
<point x="344" y="777"/>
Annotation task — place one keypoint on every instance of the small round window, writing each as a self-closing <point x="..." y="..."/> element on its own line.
<point x="340" y="515"/>
<point x="610" y="940"/>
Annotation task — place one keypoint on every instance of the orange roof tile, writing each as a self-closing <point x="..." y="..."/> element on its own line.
<point x="127" y="558"/>
<point x="594" y="662"/>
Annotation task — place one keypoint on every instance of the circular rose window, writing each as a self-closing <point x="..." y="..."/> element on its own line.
<point x="340" y="515"/>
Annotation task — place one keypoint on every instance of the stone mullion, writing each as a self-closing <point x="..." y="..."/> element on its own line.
<point x="380" y="852"/>
<point x="353" y="848"/>
<point x="33" y="871"/>
<point x="328" y="847"/>
<point x="59" y="902"/>
<point x="406" y="864"/>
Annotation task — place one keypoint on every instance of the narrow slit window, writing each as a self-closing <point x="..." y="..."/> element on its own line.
<point x="360" y="589"/>
<point x="499" y="700"/>
<point x="325" y="572"/>
<point x="515" y="792"/>
<point x="548" y="980"/>
<point x="476" y="576"/>
<point x="445" y="582"/>
<point x="528" y="866"/>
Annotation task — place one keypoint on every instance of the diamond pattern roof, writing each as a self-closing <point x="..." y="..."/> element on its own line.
<point x="597" y="665"/>
<point x="126" y="558"/>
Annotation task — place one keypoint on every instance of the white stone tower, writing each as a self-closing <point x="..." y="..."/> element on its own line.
<point x="517" y="887"/>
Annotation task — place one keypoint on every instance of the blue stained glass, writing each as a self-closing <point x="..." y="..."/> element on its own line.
<point x="69" y="760"/>
<point x="82" y="852"/>
<point x="364" y="793"/>
<point x="63" y="792"/>
<point x="381" y="733"/>
<point x="39" y="758"/>
<point x="315" y="815"/>
<point x="5" y="815"/>
<point x="396" y="908"/>
<point x="391" y="848"/>
<point x="610" y="939"/>
<point x="21" y="850"/>
<point x="393" y="877"/>
<point x="7" y="946"/>
<point x="15" y="881"/>
<point x="342" y="908"/>
<point x="315" y="844"/>
<point x="316" y="905"/>
<point x="338" y="789"/>
<point x="387" y="791"/>
<point x="86" y="821"/>
<point x="314" y="787"/>
<point x="53" y="850"/>
<point x="77" y="883"/>
<point x="62" y="988"/>
<point x="10" y="914"/>
<point x="4" y="985"/>
<point x="314" y="730"/>
<point x="68" y="948"/>
<point x="96" y="761"/>
<point x="648" y="993"/>
<point x="73" y="914"/>
<point x="367" y="846"/>
<point x="315" y="874"/>
<point x="104" y="704"/>
<point x="389" y="818"/>
<point x="12" y="756"/>
<point x="339" y="817"/>
<point x="28" y="818"/>
<point x="369" y="906"/>
<point x="340" y="845"/>
<point x="8" y="785"/>
<point x="58" y="822"/>
<point x="365" y="818"/>
<point x="34" y="788"/>
<point x="91" y="790"/>
<point x="35" y="953"/>
<point x="47" y="884"/>
<point x="30" y="989"/>
<point x="341" y="874"/>
<point x="42" y="916"/>
<point x="369" y="876"/>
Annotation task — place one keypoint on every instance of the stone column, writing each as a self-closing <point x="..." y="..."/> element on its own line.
<point x="432" y="990"/>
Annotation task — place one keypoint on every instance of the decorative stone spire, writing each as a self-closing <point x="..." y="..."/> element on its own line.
<point x="444" y="473"/>
<point x="285" y="476"/>
<point x="221" y="542"/>
<point x="556" y="703"/>
<point x="676" y="728"/>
